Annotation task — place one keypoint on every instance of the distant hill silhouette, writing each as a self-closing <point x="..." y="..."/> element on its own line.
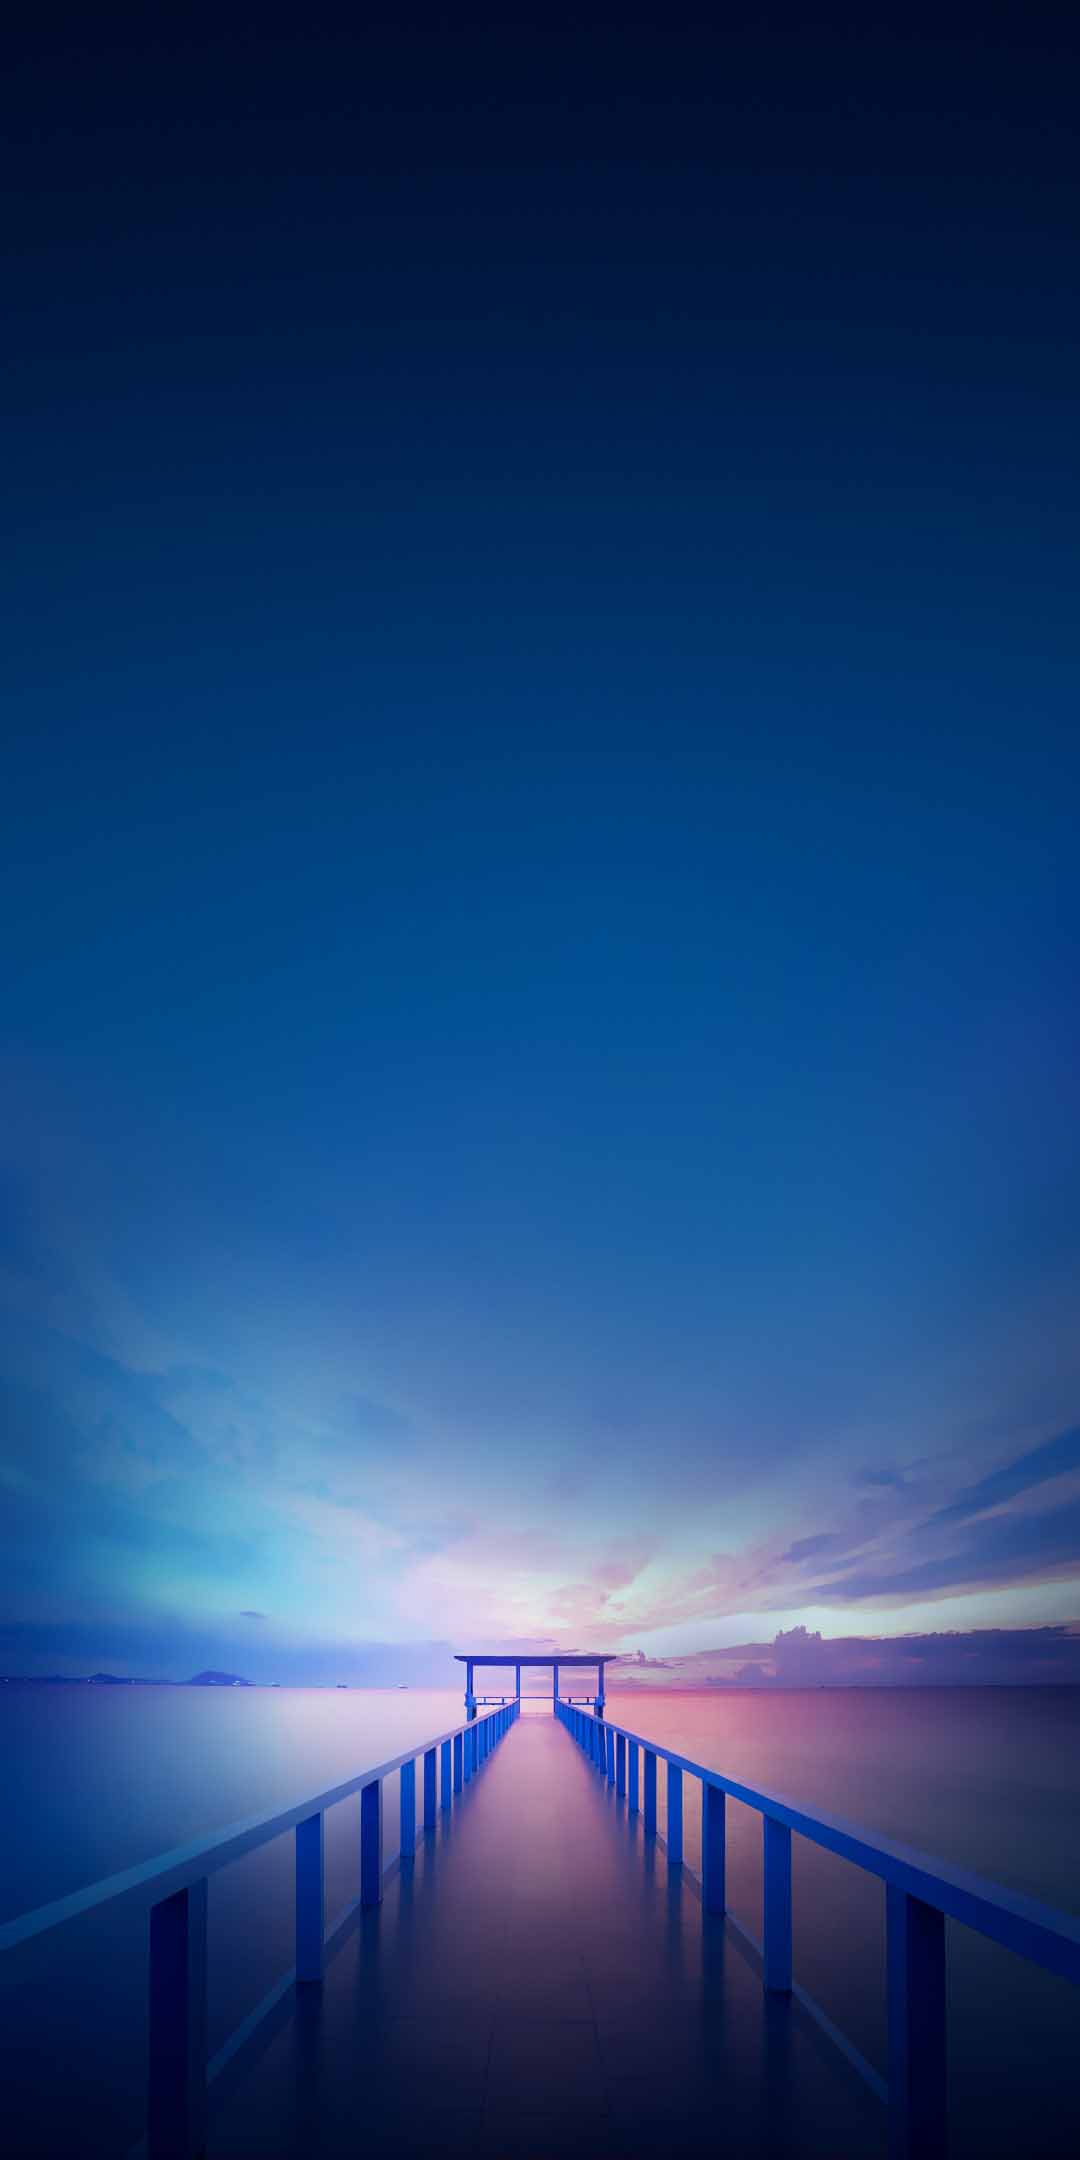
<point x="111" y="1679"/>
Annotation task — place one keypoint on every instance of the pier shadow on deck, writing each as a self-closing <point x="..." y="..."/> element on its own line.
<point x="540" y="1983"/>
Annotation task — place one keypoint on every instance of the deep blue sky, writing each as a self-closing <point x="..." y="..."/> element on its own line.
<point x="539" y="911"/>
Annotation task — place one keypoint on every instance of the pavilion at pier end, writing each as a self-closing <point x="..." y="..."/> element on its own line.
<point x="564" y="1661"/>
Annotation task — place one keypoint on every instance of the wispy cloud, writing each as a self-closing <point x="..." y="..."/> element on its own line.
<point x="168" y="1467"/>
<point x="811" y="1548"/>
<point x="1062" y="1453"/>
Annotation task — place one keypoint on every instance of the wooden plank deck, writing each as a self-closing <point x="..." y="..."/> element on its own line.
<point x="539" y="1983"/>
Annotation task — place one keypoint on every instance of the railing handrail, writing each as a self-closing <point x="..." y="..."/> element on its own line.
<point x="1050" y="1939"/>
<point x="187" y="1864"/>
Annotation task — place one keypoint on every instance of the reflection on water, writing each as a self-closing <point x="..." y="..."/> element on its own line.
<point x="985" y="1779"/>
<point x="982" y="1778"/>
<point x="99" y="1779"/>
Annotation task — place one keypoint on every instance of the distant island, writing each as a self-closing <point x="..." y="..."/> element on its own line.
<point x="109" y="1679"/>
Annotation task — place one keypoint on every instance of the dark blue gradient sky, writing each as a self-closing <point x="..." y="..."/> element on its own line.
<point x="540" y="906"/>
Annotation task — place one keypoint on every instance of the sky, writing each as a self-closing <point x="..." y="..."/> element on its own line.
<point x="539" y="907"/>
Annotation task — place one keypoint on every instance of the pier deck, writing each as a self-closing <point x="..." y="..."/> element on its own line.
<point x="539" y="1983"/>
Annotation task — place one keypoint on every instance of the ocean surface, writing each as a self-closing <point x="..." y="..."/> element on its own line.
<point x="97" y="1779"/>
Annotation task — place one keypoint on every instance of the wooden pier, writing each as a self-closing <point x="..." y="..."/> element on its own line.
<point x="540" y="1982"/>
<point x="538" y="1974"/>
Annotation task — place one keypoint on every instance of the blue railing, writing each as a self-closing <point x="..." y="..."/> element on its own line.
<point x="174" y="1889"/>
<point x="920" y="1896"/>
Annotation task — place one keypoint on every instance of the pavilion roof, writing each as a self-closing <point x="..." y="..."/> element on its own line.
<point x="557" y="1657"/>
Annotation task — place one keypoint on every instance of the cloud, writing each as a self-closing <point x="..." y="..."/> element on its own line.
<point x="998" y="1550"/>
<point x="808" y="1548"/>
<point x="161" y="1456"/>
<point x="800" y="1657"/>
<point x="1060" y="1454"/>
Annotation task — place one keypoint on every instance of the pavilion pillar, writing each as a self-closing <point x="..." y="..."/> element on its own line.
<point x="517" y="1674"/>
<point x="470" y="1698"/>
<point x="555" y="1682"/>
<point x="599" y="1691"/>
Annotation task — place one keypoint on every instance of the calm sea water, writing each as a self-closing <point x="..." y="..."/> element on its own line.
<point x="98" y="1779"/>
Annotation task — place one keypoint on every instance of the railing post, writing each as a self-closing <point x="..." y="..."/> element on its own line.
<point x="620" y="1764"/>
<point x="674" y="1815"/>
<point x="446" y="1779"/>
<point x="632" y="1778"/>
<point x="310" y="1900"/>
<point x="459" y="1772"/>
<point x="408" y="1810"/>
<point x="469" y="1738"/>
<point x="431" y="1799"/>
<point x="650" y="1792"/>
<point x="176" y="2090"/>
<point x="915" y="1958"/>
<point x="713" y="1848"/>
<point x="371" y="1868"/>
<point x="776" y="1856"/>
